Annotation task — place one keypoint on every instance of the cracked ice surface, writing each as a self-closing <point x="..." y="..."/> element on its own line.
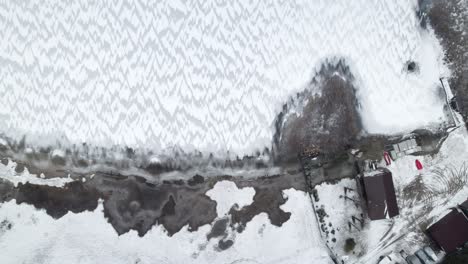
<point x="209" y="75"/>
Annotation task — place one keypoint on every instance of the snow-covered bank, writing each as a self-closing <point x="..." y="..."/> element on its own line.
<point x="34" y="237"/>
<point x="206" y="75"/>
<point x="8" y="172"/>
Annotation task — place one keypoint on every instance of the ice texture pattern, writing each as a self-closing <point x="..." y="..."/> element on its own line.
<point x="206" y="75"/>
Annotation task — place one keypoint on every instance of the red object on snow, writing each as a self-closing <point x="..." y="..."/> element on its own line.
<point x="419" y="166"/>
<point x="387" y="158"/>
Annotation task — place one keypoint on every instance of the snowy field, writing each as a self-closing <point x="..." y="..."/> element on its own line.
<point x="349" y="239"/>
<point x="34" y="237"/>
<point x="209" y="75"/>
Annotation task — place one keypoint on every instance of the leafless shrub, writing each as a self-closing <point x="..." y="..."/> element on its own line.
<point x="417" y="191"/>
<point x="449" y="180"/>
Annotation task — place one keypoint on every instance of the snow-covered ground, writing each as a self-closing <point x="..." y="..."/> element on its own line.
<point x="444" y="177"/>
<point x="35" y="237"/>
<point x="335" y="227"/>
<point x="209" y="75"/>
<point x="348" y="239"/>
<point x="423" y="198"/>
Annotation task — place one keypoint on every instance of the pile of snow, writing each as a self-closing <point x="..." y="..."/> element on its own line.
<point x="154" y="160"/>
<point x="88" y="238"/>
<point x="209" y="75"/>
<point x="58" y="153"/>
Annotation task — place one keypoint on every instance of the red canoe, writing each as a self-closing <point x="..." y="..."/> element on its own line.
<point x="387" y="158"/>
<point x="419" y="166"/>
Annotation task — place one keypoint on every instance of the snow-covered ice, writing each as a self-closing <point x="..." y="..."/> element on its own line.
<point x="87" y="238"/>
<point x="209" y="75"/>
<point x="223" y="193"/>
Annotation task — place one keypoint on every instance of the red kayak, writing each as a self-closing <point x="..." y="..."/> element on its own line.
<point x="387" y="158"/>
<point x="419" y="166"/>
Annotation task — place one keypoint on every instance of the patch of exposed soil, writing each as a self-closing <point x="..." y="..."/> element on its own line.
<point x="197" y="179"/>
<point x="225" y="244"/>
<point x="4" y="161"/>
<point x="7" y="191"/>
<point x="264" y="201"/>
<point x="57" y="202"/>
<point x="131" y="203"/>
<point x="218" y="229"/>
<point x="267" y="199"/>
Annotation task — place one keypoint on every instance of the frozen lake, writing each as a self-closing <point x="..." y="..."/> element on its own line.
<point x="209" y="75"/>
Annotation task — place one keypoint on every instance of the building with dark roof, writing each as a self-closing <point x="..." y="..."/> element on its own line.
<point x="451" y="231"/>
<point x="464" y="206"/>
<point x="378" y="194"/>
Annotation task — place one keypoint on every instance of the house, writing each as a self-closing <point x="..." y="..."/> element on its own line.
<point x="451" y="231"/>
<point x="408" y="145"/>
<point x="378" y="193"/>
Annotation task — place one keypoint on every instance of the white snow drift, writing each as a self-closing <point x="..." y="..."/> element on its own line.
<point x="210" y="75"/>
